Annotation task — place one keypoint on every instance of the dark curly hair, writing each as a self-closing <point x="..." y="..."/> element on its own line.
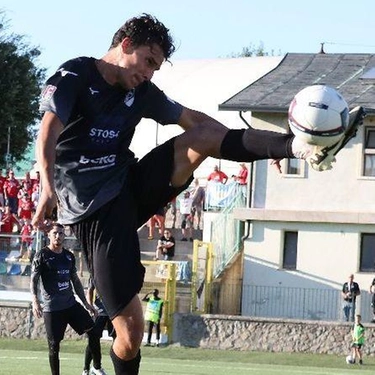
<point x="145" y="30"/>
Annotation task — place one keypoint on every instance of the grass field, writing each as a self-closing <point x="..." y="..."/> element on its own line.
<point x="30" y="357"/>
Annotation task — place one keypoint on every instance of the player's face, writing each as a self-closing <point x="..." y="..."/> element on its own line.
<point x="138" y="64"/>
<point x="56" y="237"/>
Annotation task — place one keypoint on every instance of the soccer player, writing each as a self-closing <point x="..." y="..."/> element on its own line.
<point x="55" y="266"/>
<point x="101" y="321"/>
<point x="91" y="108"/>
<point x="358" y="336"/>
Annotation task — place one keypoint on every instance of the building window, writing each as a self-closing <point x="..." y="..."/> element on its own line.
<point x="293" y="166"/>
<point x="290" y="250"/>
<point x="369" y="152"/>
<point x="367" y="261"/>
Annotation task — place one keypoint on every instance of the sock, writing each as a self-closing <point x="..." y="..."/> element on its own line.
<point x="88" y="358"/>
<point x="248" y="145"/>
<point x="94" y="348"/>
<point x="125" y="367"/>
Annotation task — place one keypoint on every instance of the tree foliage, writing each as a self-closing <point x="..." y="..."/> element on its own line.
<point x="20" y="84"/>
<point x="252" y="50"/>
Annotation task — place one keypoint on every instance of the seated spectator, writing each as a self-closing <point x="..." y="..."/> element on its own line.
<point x="166" y="246"/>
<point x="186" y="204"/>
<point x="217" y="176"/>
<point x="157" y="220"/>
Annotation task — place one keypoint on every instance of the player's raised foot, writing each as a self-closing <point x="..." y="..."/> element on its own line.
<point x="85" y="372"/>
<point x="97" y="371"/>
<point x="321" y="157"/>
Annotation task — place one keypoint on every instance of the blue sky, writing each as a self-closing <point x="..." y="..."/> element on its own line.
<point x="202" y="29"/>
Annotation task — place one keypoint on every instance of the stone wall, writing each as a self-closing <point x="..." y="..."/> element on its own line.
<point x="17" y="321"/>
<point x="276" y="335"/>
<point x="219" y="332"/>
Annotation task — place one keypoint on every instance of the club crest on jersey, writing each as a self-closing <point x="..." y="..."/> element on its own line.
<point x="64" y="72"/>
<point x="129" y="98"/>
<point x="48" y="92"/>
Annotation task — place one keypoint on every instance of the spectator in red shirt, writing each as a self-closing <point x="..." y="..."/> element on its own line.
<point x="26" y="239"/>
<point x="241" y="178"/>
<point x="28" y="183"/>
<point x="7" y="223"/>
<point x="25" y="207"/>
<point x="159" y="220"/>
<point x="11" y="187"/>
<point x="217" y="176"/>
<point x="2" y="180"/>
<point x="36" y="182"/>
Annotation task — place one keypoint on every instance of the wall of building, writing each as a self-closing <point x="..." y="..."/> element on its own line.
<point x="341" y="189"/>
<point x="327" y="254"/>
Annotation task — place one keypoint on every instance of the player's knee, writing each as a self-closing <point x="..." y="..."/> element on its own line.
<point x="128" y="347"/>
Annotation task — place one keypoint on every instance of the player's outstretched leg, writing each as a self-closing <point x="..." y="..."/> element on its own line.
<point x="323" y="157"/>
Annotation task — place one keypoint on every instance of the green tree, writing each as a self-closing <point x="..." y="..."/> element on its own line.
<point x="20" y="85"/>
<point x="252" y="50"/>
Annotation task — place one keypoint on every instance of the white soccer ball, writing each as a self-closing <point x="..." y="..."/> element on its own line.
<point x="349" y="360"/>
<point x="318" y="115"/>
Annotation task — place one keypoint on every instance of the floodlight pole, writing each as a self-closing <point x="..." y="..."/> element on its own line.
<point x="8" y="150"/>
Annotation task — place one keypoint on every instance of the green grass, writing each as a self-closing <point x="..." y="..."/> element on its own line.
<point x="31" y="357"/>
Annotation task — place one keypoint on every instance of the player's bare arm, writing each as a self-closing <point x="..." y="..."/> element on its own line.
<point x="78" y="288"/>
<point x="36" y="306"/>
<point x="50" y="129"/>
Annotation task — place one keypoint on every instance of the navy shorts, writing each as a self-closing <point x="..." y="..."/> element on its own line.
<point x="109" y="236"/>
<point x="56" y="322"/>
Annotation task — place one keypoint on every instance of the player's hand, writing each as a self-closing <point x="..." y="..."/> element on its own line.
<point x="46" y="205"/>
<point x="37" y="309"/>
<point x="276" y="163"/>
<point x="92" y="310"/>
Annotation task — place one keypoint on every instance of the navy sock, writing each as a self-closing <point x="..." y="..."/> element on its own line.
<point x="125" y="367"/>
<point x="252" y="144"/>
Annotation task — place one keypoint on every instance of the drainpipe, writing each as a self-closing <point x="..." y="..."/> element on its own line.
<point x="249" y="195"/>
<point x="250" y="184"/>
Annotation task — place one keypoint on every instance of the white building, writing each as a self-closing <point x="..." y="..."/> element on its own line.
<point x="311" y="229"/>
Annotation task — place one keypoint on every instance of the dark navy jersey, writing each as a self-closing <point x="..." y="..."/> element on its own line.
<point x="92" y="152"/>
<point x="55" y="271"/>
<point x="97" y="300"/>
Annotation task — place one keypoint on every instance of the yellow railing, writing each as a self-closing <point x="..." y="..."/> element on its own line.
<point x="202" y="276"/>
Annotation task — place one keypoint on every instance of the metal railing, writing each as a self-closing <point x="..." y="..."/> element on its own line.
<point x="297" y="303"/>
<point x="226" y="233"/>
<point x="220" y="196"/>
